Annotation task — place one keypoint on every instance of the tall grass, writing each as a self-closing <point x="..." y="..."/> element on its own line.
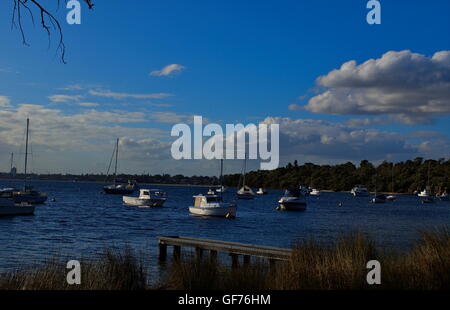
<point x="341" y="266"/>
<point x="113" y="270"/>
<point x="312" y="266"/>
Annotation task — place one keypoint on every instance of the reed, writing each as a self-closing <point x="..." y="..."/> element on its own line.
<point x="112" y="270"/>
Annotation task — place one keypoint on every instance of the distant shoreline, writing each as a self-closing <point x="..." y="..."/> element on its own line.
<point x="188" y="185"/>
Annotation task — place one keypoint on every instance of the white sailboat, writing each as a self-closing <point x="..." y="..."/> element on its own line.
<point x="118" y="188"/>
<point x="426" y="193"/>
<point x="213" y="205"/>
<point x="359" y="191"/>
<point x="245" y="192"/>
<point x="27" y="195"/>
<point x="392" y="197"/>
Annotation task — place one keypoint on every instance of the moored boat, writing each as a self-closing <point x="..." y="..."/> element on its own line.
<point x="379" y="198"/>
<point x="261" y="191"/>
<point x="212" y="205"/>
<point x="359" y="191"/>
<point x="147" y="198"/>
<point x="292" y="200"/>
<point x="315" y="192"/>
<point x="118" y="187"/>
<point x="9" y="208"/>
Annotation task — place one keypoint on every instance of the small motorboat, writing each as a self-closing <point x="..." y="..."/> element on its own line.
<point x="380" y="198"/>
<point x="212" y="205"/>
<point x="443" y="196"/>
<point x="221" y="189"/>
<point x="245" y="193"/>
<point x="147" y="198"/>
<point x="391" y="197"/>
<point x="9" y="208"/>
<point x="359" y="191"/>
<point x="261" y="191"/>
<point x="425" y="193"/>
<point x="315" y="192"/>
<point x="292" y="200"/>
<point x="211" y="191"/>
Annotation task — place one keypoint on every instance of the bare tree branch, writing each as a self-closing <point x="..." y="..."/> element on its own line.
<point x="48" y="21"/>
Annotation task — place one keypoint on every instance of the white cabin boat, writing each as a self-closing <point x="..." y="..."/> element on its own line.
<point x="9" y="208"/>
<point x="425" y="193"/>
<point x="147" y="198"/>
<point x="315" y="192"/>
<point x="359" y="191"/>
<point x="211" y="191"/>
<point x="212" y="205"/>
<point x="293" y="200"/>
<point x="261" y="191"/>
<point x="221" y="189"/>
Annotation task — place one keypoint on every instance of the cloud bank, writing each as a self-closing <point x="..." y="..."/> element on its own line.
<point x="407" y="86"/>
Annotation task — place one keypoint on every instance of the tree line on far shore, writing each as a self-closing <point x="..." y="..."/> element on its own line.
<point x="403" y="177"/>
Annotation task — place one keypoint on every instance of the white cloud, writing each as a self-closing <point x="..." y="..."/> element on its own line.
<point x="58" y="98"/>
<point x="5" y="102"/>
<point x="168" y="70"/>
<point x="115" y="95"/>
<point x="88" y="104"/>
<point x="410" y="87"/>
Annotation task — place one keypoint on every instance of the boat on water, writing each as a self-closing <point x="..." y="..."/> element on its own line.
<point x="315" y="192"/>
<point x="213" y="205"/>
<point x="443" y="196"/>
<point x="359" y="191"/>
<point x="379" y="198"/>
<point x="211" y="191"/>
<point x="392" y="197"/>
<point x="10" y="208"/>
<point x="245" y="192"/>
<point x="425" y="193"/>
<point x="221" y="189"/>
<point x="261" y="191"/>
<point x="26" y="195"/>
<point x="292" y="200"/>
<point x="147" y="198"/>
<point x="119" y="187"/>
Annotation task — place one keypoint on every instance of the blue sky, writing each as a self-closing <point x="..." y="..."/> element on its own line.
<point x="244" y="61"/>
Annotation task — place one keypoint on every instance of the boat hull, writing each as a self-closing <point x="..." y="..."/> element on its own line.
<point x="9" y="208"/>
<point x="118" y="191"/>
<point x="292" y="206"/>
<point x="139" y="202"/>
<point x="222" y="211"/>
<point x="30" y="199"/>
<point x="245" y="196"/>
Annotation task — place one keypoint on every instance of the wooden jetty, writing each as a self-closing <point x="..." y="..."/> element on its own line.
<point x="234" y="249"/>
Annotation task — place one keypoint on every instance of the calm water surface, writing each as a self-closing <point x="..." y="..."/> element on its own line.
<point x="82" y="221"/>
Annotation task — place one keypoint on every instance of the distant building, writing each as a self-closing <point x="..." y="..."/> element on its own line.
<point x="13" y="172"/>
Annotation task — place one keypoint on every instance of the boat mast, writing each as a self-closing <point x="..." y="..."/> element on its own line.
<point x="117" y="155"/>
<point x="221" y="178"/>
<point x="26" y="151"/>
<point x="245" y="169"/>
<point x="12" y="160"/>
<point x="393" y="164"/>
